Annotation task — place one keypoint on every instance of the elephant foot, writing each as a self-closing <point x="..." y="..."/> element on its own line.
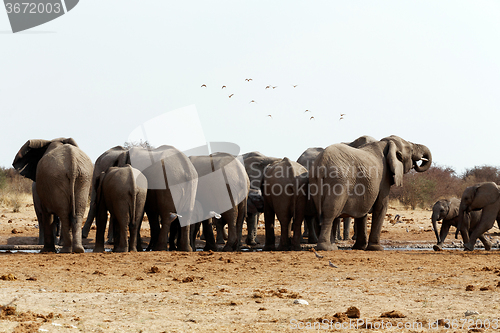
<point x="251" y="242"/>
<point x="468" y="247"/>
<point x="437" y="247"/>
<point x="98" y="249"/>
<point x="120" y="249"/>
<point x="210" y="248"/>
<point x="296" y="248"/>
<point x="78" y="249"/>
<point x="48" y="249"/>
<point x="312" y="239"/>
<point x="374" y="247"/>
<point x="269" y="248"/>
<point x="283" y="248"/>
<point x="110" y="241"/>
<point x="186" y="248"/>
<point x="326" y="247"/>
<point x="220" y="241"/>
<point x="487" y="246"/>
<point x="66" y="249"/>
<point x="359" y="246"/>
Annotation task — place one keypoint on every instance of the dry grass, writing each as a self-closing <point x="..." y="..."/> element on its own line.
<point x="13" y="199"/>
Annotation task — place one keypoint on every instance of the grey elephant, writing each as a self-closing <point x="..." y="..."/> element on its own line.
<point x="121" y="191"/>
<point x="352" y="182"/>
<point x="447" y="210"/>
<point x="56" y="224"/>
<point x="482" y="196"/>
<point x="222" y="193"/>
<point x="62" y="173"/>
<point x="285" y="191"/>
<point x="255" y="163"/>
<point x="116" y="156"/>
<point x="306" y="159"/>
<point x="172" y="183"/>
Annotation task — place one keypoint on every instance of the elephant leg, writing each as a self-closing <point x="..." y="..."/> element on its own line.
<point x="487" y="244"/>
<point x="154" y="225"/>
<point x="231" y="218"/>
<point x="183" y="243"/>
<point x="121" y="234"/>
<point x="221" y="233"/>
<point x="270" y="244"/>
<point x="354" y="229"/>
<point x="193" y="232"/>
<point x="252" y="221"/>
<point x="325" y="241"/>
<point x="310" y="225"/>
<point x="111" y="232"/>
<point x="306" y="230"/>
<point x="286" y="223"/>
<point x="347" y="227"/>
<point x="486" y="222"/>
<point x="174" y="234"/>
<point x="335" y="230"/>
<point x="48" y="236"/>
<point x="101" y="221"/>
<point x="208" y="231"/>
<point x="297" y="227"/>
<point x="166" y="221"/>
<point x="90" y="218"/>
<point x="445" y="228"/>
<point x="378" y="216"/>
<point x="66" y="235"/>
<point x="77" y="235"/>
<point x="360" y="228"/>
<point x="132" y="244"/>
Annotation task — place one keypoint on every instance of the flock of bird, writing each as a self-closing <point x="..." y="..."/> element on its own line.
<point x="272" y="87"/>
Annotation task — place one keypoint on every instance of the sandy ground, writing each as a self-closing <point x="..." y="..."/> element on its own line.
<point x="250" y="291"/>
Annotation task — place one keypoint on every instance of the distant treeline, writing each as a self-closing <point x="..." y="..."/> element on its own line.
<point x="424" y="189"/>
<point x="419" y="189"/>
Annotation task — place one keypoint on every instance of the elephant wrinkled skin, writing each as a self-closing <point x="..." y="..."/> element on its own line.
<point x="62" y="173"/>
<point x="352" y="182"/>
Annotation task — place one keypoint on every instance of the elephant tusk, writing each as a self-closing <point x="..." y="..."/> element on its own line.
<point x="214" y="214"/>
<point x="425" y="159"/>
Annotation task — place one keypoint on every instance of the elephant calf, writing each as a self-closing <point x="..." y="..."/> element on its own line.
<point x="121" y="191"/>
<point x="447" y="210"/>
<point x="285" y="189"/>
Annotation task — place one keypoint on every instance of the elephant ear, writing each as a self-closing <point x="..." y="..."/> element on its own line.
<point x="27" y="158"/>
<point x="453" y="209"/>
<point x="123" y="159"/>
<point x="69" y="141"/>
<point x="395" y="162"/>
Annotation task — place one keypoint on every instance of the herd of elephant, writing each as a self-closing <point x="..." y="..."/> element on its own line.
<point x="345" y="180"/>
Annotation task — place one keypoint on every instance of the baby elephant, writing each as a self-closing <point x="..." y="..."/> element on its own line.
<point x="285" y="189"/>
<point x="122" y="192"/>
<point x="447" y="210"/>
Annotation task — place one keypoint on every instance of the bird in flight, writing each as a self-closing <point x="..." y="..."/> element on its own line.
<point x="231" y="95"/>
<point x="267" y="87"/>
<point x="342" y="114"/>
<point x="248" y="80"/>
<point x="306" y="111"/>
<point x="203" y="85"/>
<point x="295" y="85"/>
<point x="270" y="116"/>
<point x="275" y="87"/>
<point x="311" y="118"/>
<point x="252" y="101"/>
<point x="223" y="87"/>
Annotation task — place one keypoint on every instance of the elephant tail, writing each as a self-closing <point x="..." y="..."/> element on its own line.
<point x="72" y="197"/>
<point x="134" y="192"/>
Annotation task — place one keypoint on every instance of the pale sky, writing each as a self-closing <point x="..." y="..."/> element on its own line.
<point x="428" y="71"/>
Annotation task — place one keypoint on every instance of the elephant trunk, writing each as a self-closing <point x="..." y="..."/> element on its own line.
<point x="421" y="153"/>
<point x="435" y="217"/>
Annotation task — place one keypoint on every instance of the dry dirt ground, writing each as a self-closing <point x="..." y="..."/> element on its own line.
<point x="251" y="291"/>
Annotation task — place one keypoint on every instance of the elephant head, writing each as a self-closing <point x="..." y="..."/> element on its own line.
<point x="27" y="158"/>
<point x="475" y="198"/>
<point x="443" y="210"/>
<point x="402" y="156"/>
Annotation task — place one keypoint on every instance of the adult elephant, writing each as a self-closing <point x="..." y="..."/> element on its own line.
<point x="121" y="191"/>
<point x="485" y="196"/>
<point x="352" y="182"/>
<point x="62" y="173"/>
<point x="222" y="192"/>
<point x="447" y="210"/>
<point x="285" y="190"/>
<point x="172" y="182"/>
<point x="255" y="163"/>
<point x="306" y="159"/>
<point x="116" y="156"/>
